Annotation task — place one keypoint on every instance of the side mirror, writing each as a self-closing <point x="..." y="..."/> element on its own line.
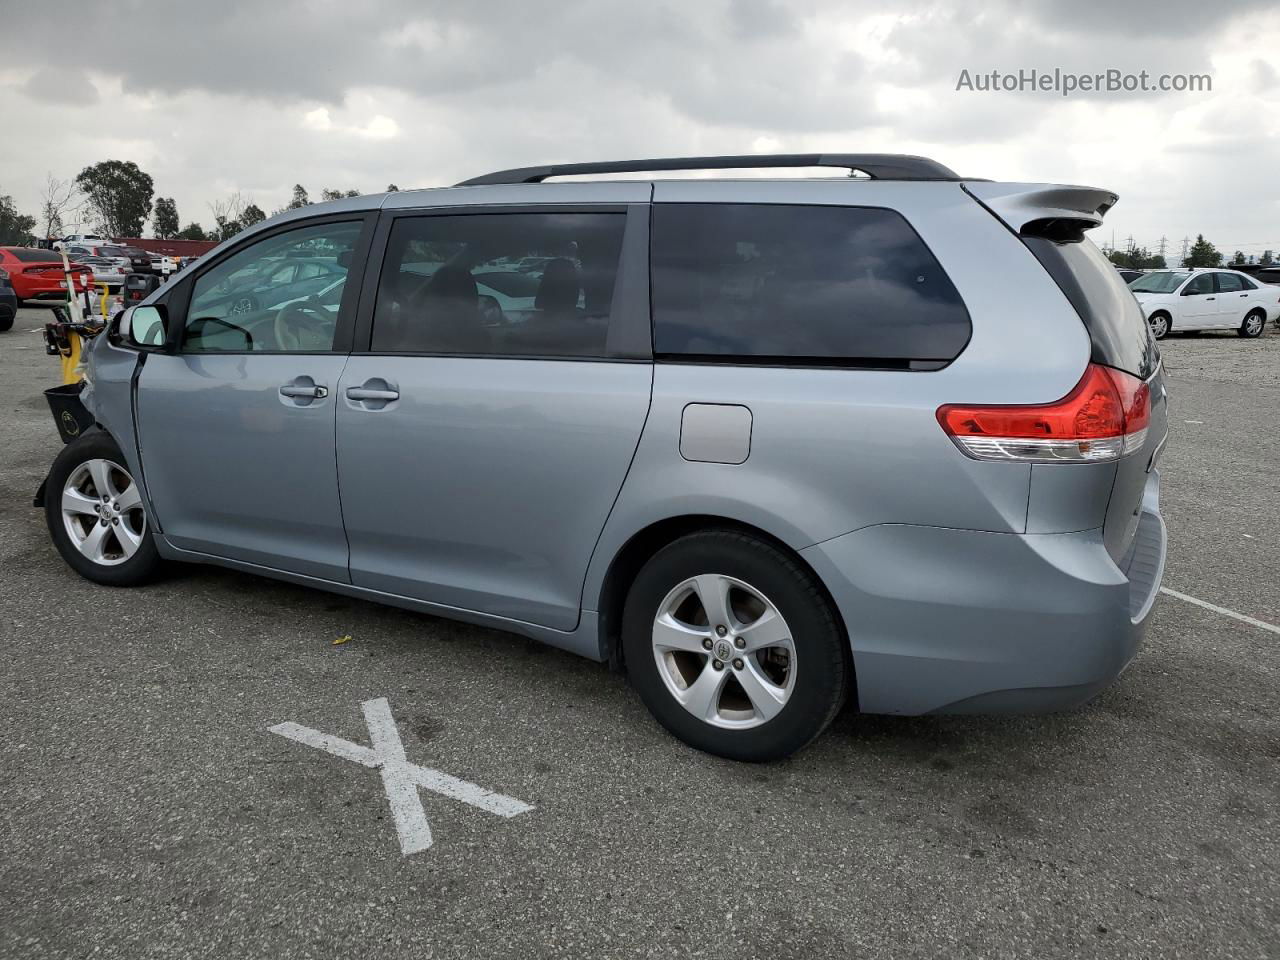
<point x="144" y="327"/>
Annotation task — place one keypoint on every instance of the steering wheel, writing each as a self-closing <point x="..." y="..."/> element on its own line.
<point x="303" y="326"/>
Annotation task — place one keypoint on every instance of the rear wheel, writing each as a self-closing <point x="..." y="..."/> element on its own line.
<point x="734" y="647"/>
<point x="6" y="323"/>
<point x="95" y="514"/>
<point x="1253" y="324"/>
<point x="1159" y="323"/>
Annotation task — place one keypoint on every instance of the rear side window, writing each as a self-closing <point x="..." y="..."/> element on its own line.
<point x="502" y="284"/>
<point x="800" y="284"/>
<point x="1117" y="328"/>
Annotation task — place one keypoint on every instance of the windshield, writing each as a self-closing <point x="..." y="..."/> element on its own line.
<point x="1165" y="282"/>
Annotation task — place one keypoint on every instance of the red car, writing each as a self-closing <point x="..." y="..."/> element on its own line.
<point x="37" y="274"/>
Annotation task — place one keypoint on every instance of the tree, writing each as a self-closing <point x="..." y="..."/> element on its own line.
<point x="192" y="231"/>
<point x="56" y="197"/>
<point x="300" y="198"/>
<point x="252" y="214"/>
<point x="327" y="195"/>
<point x="1267" y="259"/>
<point x="119" y="195"/>
<point x="15" y="228"/>
<point x="1238" y="257"/>
<point x="1203" y="254"/>
<point x="392" y="188"/>
<point x="165" y="221"/>
<point x="1139" y="258"/>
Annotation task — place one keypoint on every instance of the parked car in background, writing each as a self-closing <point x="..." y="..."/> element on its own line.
<point x="107" y="251"/>
<point x="1178" y="300"/>
<point x="139" y="259"/>
<point x="162" y="264"/>
<point x="37" y="274"/>
<point x="79" y="238"/>
<point x="765" y="444"/>
<point x="105" y="269"/>
<point x="1127" y="275"/>
<point x="8" y="302"/>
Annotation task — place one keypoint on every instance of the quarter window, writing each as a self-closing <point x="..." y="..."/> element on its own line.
<point x="779" y="283"/>
<point x="282" y="294"/>
<point x="511" y="284"/>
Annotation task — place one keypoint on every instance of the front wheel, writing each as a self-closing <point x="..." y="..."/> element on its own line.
<point x="95" y="514"/>
<point x="734" y="647"/>
<point x="1159" y="323"/>
<point x="1253" y="324"/>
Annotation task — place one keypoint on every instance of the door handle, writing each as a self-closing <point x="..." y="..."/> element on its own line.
<point x="1211" y="298"/>
<point x="313" y="392"/>
<point x="368" y="393"/>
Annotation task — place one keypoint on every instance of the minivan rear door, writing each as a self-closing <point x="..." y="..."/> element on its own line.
<point x="490" y="413"/>
<point x="1120" y="339"/>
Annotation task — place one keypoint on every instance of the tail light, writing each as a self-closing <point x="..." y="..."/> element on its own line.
<point x="1104" y="418"/>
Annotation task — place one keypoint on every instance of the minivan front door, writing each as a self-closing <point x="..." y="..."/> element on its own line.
<point x="236" y="428"/>
<point x="484" y="436"/>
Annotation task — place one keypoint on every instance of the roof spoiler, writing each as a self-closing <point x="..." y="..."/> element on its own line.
<point x="1020" y="205"/>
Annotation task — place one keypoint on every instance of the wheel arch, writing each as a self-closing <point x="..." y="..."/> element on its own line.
<point x="647" y="541"/>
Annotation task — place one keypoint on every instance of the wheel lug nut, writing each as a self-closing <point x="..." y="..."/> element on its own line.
<point x="737" y="663"/>
<point x="718" y="664"/>
<point x="721" y="631"/>
<point x="739" y="642"/>
<point x="706" y="643"/>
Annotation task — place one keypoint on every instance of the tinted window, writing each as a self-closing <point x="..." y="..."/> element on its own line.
<point x="1229" y="283"/>
<point x="1201" y="284"/>
<point x="791" y="283"/>
<point x="510" y="284"/>
<point x="255" y="300"/>
<point x="1117" y="328"/>
<point x="34" y="254"/>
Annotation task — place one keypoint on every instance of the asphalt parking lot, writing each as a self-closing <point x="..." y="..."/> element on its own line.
<point x="149" y="811"/>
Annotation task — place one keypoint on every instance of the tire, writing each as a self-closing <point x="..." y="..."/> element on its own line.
<point x="1254" y="323"/>
<point x="6" y="323"/>
<point x="1159" y="324"/>
<point x="805" y="676"/>
<point x="119" y="554"/>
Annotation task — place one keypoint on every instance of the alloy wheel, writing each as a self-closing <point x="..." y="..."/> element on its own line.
<point x="724" y="651"/>
<point x="102" y="512"/>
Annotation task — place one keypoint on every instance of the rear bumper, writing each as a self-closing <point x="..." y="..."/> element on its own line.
<point x="40" y="289"/>
<point x="963" y="621"/>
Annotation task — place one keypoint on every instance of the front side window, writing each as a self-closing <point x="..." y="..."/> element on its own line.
<point x="1200" y="284"/>
<point x="280" y="294"/>
<point x="508" y="284"/>
<point x="782" y="283"/>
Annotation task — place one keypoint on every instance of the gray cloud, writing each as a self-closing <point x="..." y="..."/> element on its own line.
<point x="222" y="96"/>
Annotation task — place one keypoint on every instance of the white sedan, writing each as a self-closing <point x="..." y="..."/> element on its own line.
<point x="1175" y="300"/>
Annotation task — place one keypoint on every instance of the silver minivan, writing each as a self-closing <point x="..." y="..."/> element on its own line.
<point x="764" y="444"/>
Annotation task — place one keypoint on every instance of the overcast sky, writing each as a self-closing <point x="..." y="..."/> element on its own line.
<point x="215" y="97"/>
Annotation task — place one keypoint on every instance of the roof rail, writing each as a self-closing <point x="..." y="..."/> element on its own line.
<point x="877" y="166"/>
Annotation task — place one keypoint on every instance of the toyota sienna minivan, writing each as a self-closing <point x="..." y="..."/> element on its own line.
<point x="767" y="445"/>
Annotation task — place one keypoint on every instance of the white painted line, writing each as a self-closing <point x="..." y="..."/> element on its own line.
<point x="1261" y="624"/>
<point x="401" y="779"/>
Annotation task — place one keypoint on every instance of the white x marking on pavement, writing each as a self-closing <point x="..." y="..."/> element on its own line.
<point x="400" y="778"/>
